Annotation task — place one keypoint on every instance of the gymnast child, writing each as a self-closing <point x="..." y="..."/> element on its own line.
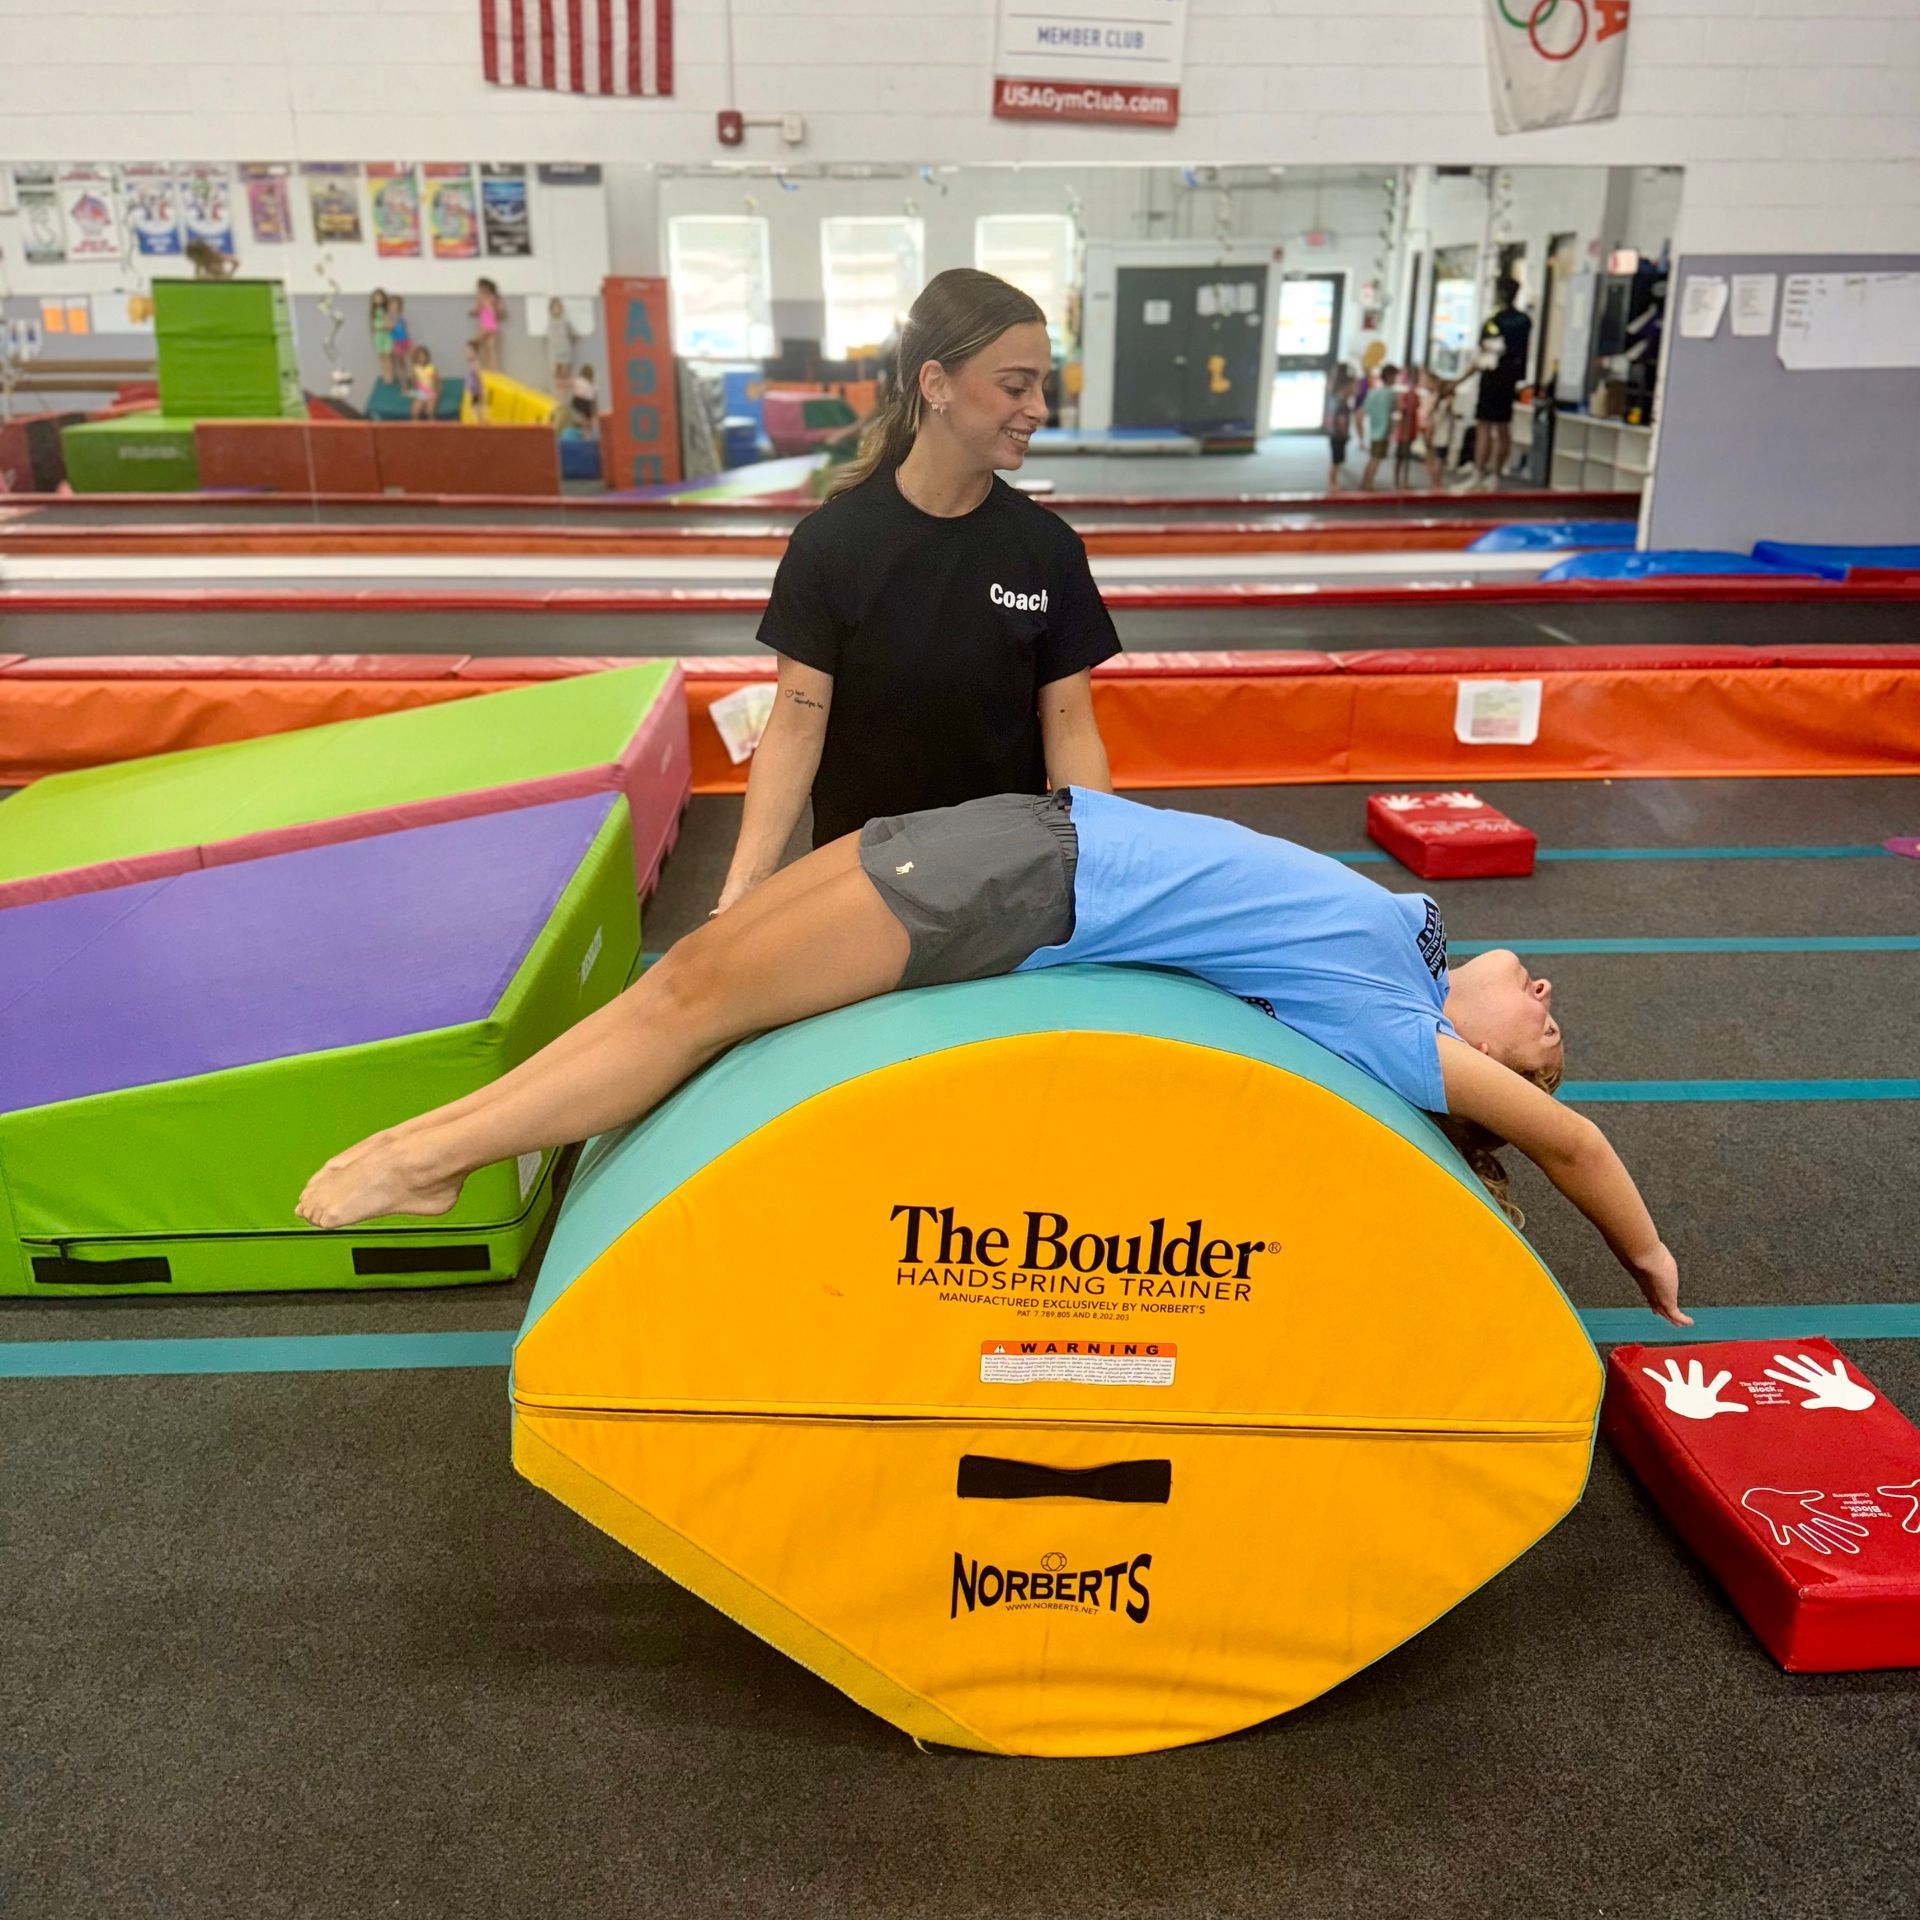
<point x="1017" y="882"/>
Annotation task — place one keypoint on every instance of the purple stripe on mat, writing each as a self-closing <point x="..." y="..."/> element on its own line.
<point x="330" y="946"/>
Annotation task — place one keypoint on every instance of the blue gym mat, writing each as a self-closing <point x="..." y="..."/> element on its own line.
<point x="1833" y="561"/>
<point x="1670" y="563"/>
<point x="1554" y="536"/>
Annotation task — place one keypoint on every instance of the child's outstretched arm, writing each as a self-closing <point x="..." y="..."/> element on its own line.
<point x="1575" y="1155"/>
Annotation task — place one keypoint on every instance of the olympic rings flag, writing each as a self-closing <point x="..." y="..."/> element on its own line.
<point x="1553" y="62"/>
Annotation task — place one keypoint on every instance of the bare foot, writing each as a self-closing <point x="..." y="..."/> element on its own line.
<point x="385" y="1174"/>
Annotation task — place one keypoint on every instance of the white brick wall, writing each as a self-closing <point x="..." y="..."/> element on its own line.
<point x="1798" y="120"/>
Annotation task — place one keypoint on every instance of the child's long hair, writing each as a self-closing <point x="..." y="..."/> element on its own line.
<point x="957" y="314"/>
<point x="1480" y="1146"/>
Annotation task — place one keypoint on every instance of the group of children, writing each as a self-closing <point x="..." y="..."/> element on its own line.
<point x="403" y="361"/>
<point x="408" y="364"/>
<point x="1400" y="409"/>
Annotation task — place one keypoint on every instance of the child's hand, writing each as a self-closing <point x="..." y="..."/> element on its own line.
<point x="1658" y="1276"/>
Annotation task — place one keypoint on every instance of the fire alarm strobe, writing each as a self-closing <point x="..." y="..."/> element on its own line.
<point x="733" y="128"/>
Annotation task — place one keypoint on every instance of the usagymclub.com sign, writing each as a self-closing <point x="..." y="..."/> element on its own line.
<point x="1106" y="60"/>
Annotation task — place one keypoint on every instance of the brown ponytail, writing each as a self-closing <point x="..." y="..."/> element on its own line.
<point x="1480" y="1146"/>
<point x="958" y="313"/>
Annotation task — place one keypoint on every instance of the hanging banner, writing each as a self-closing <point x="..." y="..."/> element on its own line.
<point x="396" y="209"/>
<point x="1551" y="63"/>
<point x="1116" y="61"/>
<point x="269" y="204"/>
<point x="641" y="445"/>
<point x="153" y="211"/>
<point x="333" y="199"/>
<point x="504" y="212"/>
<point x="90" y="212"/>
<point x="452" y="211"/>
<point x="206" y="205"/>
<point x="44" y="235"/>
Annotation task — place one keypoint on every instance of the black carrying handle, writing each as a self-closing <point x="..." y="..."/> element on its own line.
<point x="60" y="1270"/>
<point x="1125" y="1482"/>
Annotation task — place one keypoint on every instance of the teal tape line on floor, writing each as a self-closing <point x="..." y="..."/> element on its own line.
<point x="402" y="1352"/>
<point x="1706" y="943"/>
<point x="1897" y="1321"/>
<point x="290" y="1353"/>
<point x="1368" y="857"/>
<point x="1668" y="1090"/>
<point x="1714" y="853"/>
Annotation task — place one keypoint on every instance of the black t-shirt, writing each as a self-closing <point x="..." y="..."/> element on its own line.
<point x="939" y="635"/>
<point x="1510" y="329"/>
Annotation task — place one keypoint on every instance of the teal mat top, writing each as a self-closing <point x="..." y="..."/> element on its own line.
<point x="622" y="1176"/>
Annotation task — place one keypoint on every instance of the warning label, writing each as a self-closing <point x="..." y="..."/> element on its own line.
<point x="1092" y="1363"/>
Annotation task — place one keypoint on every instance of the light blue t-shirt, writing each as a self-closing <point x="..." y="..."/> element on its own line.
<point x="1339" y="959"/>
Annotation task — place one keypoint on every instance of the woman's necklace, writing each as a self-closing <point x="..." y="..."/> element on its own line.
<point x="907" y="496"/>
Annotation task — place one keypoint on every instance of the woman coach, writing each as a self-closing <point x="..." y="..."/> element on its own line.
<point x="936" y="627"/>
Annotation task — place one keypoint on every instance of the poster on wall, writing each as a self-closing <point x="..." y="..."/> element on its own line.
<point x="206" y="206"/>
<point x="504" y="211"/>
<point x="269" y="203"/>
<point x="43" y="237"/>
<point x="90" y="212"/>
<point x="152" y="208"/>
<point x="1550" y="66"/>
<point x="395" y="196"/>
<point x="333" y="199"/>
<point x="452" y="211"/>
<point x="1116" y="61"/>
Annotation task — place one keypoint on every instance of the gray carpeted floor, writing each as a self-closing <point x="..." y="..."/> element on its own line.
<point x="303" y="1645"/>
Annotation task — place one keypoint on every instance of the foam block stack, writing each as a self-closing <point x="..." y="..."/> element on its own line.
<point x="225" y="350"/>
<point x="1098" y="1439"/>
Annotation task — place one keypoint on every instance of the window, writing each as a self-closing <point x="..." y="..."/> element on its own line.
<point x="873" y="271"/>
<point x="1451" y="328"/>
<point x="720" y="282"/>
<point x="1037" y="252"/>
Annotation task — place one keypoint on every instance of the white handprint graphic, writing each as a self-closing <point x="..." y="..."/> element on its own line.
<point x="1692" y="1395"/>
<point x="1793" y="1515"/>
<point x="1833" y="1389"/>
<point x="1910" y="1493"/>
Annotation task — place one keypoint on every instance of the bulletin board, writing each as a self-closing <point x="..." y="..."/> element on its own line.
<point x="1752" y="449"/>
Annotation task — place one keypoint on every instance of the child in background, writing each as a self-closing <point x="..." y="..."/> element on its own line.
<point x="560" y="346"/>
<point x="1406" y="426"/>
<point x="488" y="311"/>
<point x="1339" y="423"/>
<point x="586" y="403"/>
<point x="1378" y="415"/>
<point x="426" y="385"/>
<point x="400" y="340"/>
<point x="476" y="384"/>
<point x="382" y="327"/>
<point x="1436" y="422"/>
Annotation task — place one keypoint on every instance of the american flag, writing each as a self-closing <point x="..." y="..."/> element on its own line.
<point x="579" y="46"/>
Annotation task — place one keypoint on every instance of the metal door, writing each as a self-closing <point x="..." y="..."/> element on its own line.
<point x="1189" y="347"/>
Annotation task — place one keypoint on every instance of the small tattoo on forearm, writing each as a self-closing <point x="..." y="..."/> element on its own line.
<point x="800" y="699"/>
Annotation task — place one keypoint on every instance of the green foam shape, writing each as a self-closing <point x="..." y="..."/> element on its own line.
<point x="137" y="808"/>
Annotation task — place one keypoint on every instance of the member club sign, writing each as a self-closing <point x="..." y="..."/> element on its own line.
<point x="1109" y="60"/>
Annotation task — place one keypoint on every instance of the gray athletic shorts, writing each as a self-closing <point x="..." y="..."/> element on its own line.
<point x="978" y="887"/>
